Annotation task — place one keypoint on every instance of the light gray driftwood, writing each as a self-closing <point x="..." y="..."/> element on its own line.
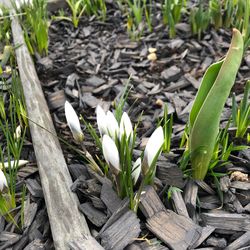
<point x="67" y="223"/>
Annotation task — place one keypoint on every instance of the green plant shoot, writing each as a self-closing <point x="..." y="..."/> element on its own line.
<point x="208" y="105"/>
<point x="241" y="114"/>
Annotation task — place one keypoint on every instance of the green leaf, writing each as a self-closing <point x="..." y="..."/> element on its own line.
<point x="208" y="106"/>
<point x="206" y="85"/>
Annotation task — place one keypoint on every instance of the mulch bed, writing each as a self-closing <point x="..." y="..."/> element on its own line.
<point x="91" y="65"/>
<point x="35" y="232"/>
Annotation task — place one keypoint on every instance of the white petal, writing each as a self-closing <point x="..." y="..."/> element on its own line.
<point x="111" y="154"/>
<point x="153" y="145"/>
<point x="1" y="12"/>
<point x="73" y="122"/>
<point x="18" y="132"/>
<point x="112" y="125"/>
<point x="13" y="163"/>
<point x="126" y="126"/>
<point x="136" y="170"/>
<point x="3" y="181"/>
<point x="18" y="6"/>
<point x="101" y="119"/>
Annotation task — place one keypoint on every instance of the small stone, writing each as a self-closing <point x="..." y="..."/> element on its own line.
<point x="238" y="176"/>
<point x="159" y="103"/>
<point x="152" y="57"/>
<point x="152" y="50"/>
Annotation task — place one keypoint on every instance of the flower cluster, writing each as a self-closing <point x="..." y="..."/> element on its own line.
<point x="112" y="135"/>
<point x="117" y="144"/>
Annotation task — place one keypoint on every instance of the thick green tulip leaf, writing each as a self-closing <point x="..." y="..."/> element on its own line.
<point x="206" y="84"/>
<point x="208" y="106"/>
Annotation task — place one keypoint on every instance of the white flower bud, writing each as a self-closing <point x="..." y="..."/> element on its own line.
<point x="12" y="164"/>
<point x="136" y="170"/>
<point x="153" y="146"/>
<point x="111" y="154"/>
<point x="101" y="119"/>
<point x="112" y="125"/>
<point x="126" y="126"/>
<point x="18" y="132"/>
<point x="3" y="181"/>
<point x="73" y="122"/>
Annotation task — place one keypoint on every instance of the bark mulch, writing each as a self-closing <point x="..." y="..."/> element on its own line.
<point x="90" y="66"/>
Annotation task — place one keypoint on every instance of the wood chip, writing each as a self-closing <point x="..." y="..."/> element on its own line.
<point x="56" y="99"/>
<point x="179" y="203"/>
<point x="205" y="232"/>
<point x="227" y="221"/>
<point x="110" y="198"/>
<point x="190" y="195"/>
<point x="150" y="202"/>
<point x="242" y="241"/>
<point x="240" y="185"/>
<point x="170" y="174"/>
<point x="87" y="242"/>
<point x="97" y="217"/>
<point x="122" y="232"/>
<point x="177" y="231"/>
<point x="171" y="74"/>
<point x="34" y="188"/>
<point x="219" y="243"/>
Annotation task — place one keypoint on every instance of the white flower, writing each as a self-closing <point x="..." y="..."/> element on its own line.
<point x="153" y="146"/>
<point x="25" y="2"/>
<point x="3" y="181"/>
<point x="101" y="119"/>
<point x="73" y="122"/>
<point x="18" y="132"/>
<point x="111" y="155"/>
<point x="18" y="5"/>
<point x="13" y="164"/>
<point x="112" y="125"/>
<point x="136" y="170"/>
<point x="126" y="126"/>
<point x="1" y="12"/>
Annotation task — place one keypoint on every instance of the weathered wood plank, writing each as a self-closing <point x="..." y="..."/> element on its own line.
<point x="67" y="223"/>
